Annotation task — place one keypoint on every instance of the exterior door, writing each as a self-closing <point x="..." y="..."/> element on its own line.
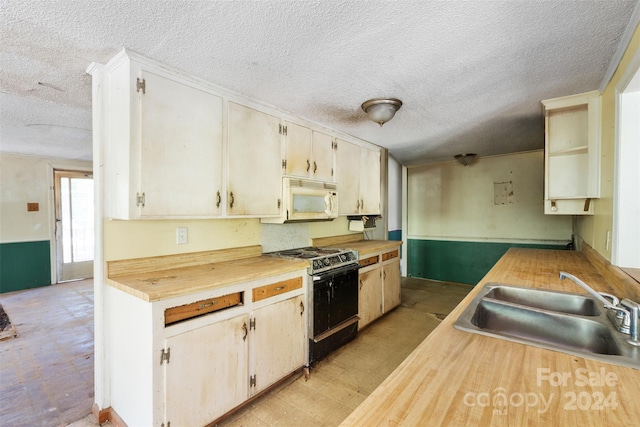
<point x="74" y="225"/>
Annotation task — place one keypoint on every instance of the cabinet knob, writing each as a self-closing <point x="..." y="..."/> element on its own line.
<point x="315" y="167"/>
<point x="218" y="199"/>
<point x="231" y="200"/>
<point x="308" y="165"/>
<point x="301" y="308"/>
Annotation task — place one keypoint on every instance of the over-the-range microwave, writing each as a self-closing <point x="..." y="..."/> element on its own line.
<point x="306" y="200"/>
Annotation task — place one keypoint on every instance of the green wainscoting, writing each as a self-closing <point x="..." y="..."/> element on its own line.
<point x="461" y="262"/>
<point x="394" y="235"/>
<point x="24" y="265"/>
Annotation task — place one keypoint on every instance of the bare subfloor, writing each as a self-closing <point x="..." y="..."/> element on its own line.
<point x="46" y="375"/>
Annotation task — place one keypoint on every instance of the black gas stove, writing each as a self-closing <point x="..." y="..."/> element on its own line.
<point x="321" y="259"/>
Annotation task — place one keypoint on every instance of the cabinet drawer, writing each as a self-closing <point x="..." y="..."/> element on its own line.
<point x="278" y="288"/>
<point x="389" y="255"/>
<point x="195" y="309"/>
<point x="368" y="261"/>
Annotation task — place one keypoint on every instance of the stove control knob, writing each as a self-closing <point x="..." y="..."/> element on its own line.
<point x="327" y="261"/>
<point x="343" y="257"/>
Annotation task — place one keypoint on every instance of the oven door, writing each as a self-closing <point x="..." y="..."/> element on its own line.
<point x="335" y="298"/>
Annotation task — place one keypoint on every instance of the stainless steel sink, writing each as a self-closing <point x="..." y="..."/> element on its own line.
<point x="562" y="302"/>
<point x="560" y="321"/>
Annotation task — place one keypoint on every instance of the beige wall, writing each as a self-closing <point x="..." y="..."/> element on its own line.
<point x="450" y="201"/>
<point x="145" y="238"/>
<point x="593" y="229"/>
<point x="28" y="179"/>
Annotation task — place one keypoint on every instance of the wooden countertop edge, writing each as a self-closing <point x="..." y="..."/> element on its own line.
<point x="430" y="386"/>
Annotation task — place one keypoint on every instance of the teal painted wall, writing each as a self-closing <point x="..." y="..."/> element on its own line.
<point x="455" y="261"/>
<point x="395" y="235"/>
<point x="24" y="265"/>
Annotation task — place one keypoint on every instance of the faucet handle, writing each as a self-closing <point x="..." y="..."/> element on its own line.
<point x="634" y="313"/>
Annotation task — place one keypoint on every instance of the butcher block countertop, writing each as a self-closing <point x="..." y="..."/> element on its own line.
<point x="456" y="378"/>
<point x="158" y="278"/>
<point x="356" y="242"/>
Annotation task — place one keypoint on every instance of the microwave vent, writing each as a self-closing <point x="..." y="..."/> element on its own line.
<point x="303" y="183"/>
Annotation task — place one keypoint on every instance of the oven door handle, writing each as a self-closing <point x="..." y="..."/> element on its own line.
<point x="337" y="271"/>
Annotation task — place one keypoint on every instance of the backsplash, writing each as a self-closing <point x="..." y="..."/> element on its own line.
<point x="278" y="237"/>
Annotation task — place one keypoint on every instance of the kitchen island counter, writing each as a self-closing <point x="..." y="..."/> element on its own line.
<point x="459" y="378"/>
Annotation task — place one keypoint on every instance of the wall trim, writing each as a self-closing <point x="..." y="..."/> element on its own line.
<point x="492" y="240"/>
<point x="107" y="414"/>
<point x="616" y="277"/>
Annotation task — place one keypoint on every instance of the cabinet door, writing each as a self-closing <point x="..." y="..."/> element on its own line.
<point x="297" y="149"/>
<point x="322" y="164"/>
<point x="207" y="374"/>
<point x="370" y="182"/>
<point x="391" y="283"/>
<point x="348" y="165"/>
<point x="254" y="163"/>
<point x="370" y="297"/>
<point x="278" y="342"/>
<point x="181" y="149"/>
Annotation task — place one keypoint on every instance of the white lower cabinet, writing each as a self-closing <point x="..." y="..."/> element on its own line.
<point x="277" y="343"/>
<point x="369" y="297"/>
<point x="189" y="360"/>
<point x="379" y="287"/>
<point x="215" y="368"/>
<point x="203" y="379"/>
<point x="391" y="281"/>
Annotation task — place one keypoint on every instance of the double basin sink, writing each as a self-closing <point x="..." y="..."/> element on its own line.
<point x="566" y="322"/>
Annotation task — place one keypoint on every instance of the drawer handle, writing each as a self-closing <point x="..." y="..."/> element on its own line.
<point x="203" y="306"/>
<point x="279" y="288"/>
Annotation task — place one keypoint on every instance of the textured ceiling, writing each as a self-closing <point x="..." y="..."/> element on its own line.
<point x="471" y="74"/>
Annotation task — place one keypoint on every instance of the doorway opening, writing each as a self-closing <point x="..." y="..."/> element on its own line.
<point x="73" y="225"/>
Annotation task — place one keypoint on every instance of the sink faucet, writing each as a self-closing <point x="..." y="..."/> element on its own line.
<point x="607" y="304"/>
<point x="627" y="314"/>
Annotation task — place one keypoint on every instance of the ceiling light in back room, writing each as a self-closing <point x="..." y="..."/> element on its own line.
<point x="465" y="158"/>
<point x="381" y="110"/>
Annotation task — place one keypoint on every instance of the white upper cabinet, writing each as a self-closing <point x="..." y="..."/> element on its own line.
<point x="175" y="146"/>
<point x="323" y="155"/>
<point x="254" y="168"/>
<point x="307" y="153"/>
<point x="572" y="153"/>
<point x="181" y="149"/>
<point x="358" y="179"/>
<point x="162" y="143"/>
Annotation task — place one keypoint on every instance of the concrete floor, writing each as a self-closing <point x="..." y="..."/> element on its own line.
<point x="46" y="375"/>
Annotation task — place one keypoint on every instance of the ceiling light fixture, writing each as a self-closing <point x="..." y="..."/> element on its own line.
<point x="465" y="158"/>
<point x="381" y="110"/>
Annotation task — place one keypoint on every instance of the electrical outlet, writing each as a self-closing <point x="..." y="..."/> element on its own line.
<point x="181" y="235"/>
